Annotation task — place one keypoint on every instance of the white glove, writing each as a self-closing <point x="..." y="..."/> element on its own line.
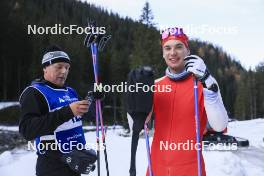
<point x="196" y="65"/>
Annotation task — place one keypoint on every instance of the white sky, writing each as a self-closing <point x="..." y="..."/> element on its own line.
<point x="239" y="22"/>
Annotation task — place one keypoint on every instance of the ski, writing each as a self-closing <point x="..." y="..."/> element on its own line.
<point x="223" y="142"/>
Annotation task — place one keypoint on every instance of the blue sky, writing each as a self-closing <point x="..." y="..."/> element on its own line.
<point x="234" y="25"/>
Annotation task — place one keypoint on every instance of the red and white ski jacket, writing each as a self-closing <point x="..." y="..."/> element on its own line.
<point x="173" y="150"/>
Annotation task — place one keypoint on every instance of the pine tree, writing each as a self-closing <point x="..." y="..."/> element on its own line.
<point x="259" y="75"/>
<point x="147" y="17"/>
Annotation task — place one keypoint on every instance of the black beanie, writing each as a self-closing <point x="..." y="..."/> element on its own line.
<point x="54" y="54"/>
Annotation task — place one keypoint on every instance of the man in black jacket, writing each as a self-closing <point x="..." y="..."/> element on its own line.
<point x="52" y="113"/>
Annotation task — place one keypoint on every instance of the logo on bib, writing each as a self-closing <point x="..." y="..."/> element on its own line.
<point x="61" y="100"/>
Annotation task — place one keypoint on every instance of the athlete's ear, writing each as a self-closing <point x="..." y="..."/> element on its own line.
<point x="44" y="70"/>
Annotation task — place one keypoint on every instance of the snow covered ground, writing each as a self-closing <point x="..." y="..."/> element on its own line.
<point x="243" y="162"/>
<point x="8" y="104"/>
<point x="246" y="162"/>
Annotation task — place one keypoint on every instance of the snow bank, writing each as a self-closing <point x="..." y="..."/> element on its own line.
<point x="247" y="162"/>
<point x="8" y="128"/>
<point x="7" y="104"/>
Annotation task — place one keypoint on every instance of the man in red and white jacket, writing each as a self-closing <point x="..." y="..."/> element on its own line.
<point x="173" y="150"/>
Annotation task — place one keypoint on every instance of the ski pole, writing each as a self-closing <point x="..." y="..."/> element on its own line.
<point x="98" y="106"/>
<point x="96" y="111"/>
<point x="91" y="40"/>
<point x="101" y="119"/>
<point x="148" y="150"/>
<point x="197" y="123"/>
<point x="103" y="137"/>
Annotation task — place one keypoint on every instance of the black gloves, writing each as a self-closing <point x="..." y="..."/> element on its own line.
<point x="97" y="95"/>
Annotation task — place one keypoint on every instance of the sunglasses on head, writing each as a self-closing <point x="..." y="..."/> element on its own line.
<point x="172" y="32"/>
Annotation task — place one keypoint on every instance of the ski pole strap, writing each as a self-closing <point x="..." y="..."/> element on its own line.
<point x="100" y="39"/>
<point x="92" y="38"/>
<point x="103" y="42"/>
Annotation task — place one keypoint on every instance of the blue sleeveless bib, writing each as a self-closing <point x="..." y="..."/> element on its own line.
<point x="70" y="133"/>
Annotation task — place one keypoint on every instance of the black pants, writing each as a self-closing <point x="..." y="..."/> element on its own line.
<point x="49" y="164"/>
<point x="138" y="125"/>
